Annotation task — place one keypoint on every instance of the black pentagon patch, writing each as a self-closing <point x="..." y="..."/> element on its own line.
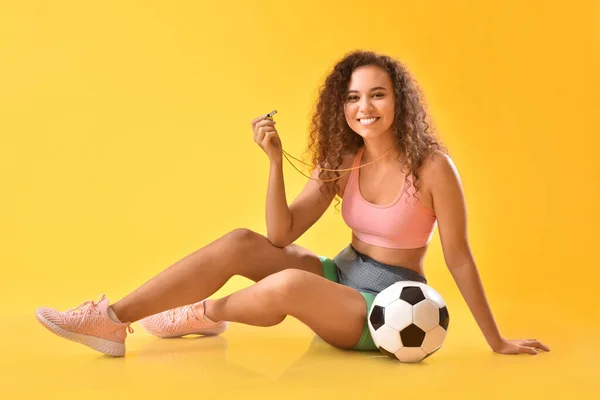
<point x="387" y="353"/>
<point x="431" y="353"/>
<point x="377" y="317"/>
<point x="412" y="295"/>
<point x="444" y="318"/>
<point x="412" y="336"/>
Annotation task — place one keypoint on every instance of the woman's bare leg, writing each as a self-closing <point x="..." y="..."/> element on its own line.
<point x="200" y="274"/>
<point x="335" y="312"/>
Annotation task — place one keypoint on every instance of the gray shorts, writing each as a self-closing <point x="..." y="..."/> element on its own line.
<point x="369" y="275"/>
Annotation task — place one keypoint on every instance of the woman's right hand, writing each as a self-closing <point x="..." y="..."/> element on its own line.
<point x="266" y="136"/>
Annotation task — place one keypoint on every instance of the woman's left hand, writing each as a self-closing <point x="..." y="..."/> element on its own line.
<point x="519" y="346"/>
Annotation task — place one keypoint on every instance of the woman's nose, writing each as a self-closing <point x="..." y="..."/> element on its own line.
<point x="365" y="107"/>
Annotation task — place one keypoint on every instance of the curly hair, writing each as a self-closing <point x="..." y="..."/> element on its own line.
<point x="331" y="137"/>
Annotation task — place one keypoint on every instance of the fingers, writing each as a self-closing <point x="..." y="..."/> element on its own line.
<point x="257" y="119"/>
<point x="537" y="344"/>
<point x="263" y="117"/>
<point x="262" y="128"/>
<point x="528" y="350"/>
<point x="522" y="346"/>
<point x="262" y="131"/>
<point x="530" y="346"/>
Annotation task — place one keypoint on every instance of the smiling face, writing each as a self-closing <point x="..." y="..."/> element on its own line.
<point x="370" y="94"/>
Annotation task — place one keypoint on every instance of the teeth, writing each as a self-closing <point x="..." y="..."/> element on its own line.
<point x="368" y="121"/>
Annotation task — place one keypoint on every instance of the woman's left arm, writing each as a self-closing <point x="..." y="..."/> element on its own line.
<point x="450" y="210"/>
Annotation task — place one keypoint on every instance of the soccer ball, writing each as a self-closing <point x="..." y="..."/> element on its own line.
<point x="408" y="321"/>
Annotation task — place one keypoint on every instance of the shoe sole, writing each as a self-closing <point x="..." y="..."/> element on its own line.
<point x="102" y="345"/>
<point x="204" y="332"/>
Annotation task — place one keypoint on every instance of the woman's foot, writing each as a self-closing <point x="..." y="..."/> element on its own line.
<point x="92" y="324"/>
<point x="184" y="320"/>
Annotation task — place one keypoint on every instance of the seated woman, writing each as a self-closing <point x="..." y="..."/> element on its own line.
<point x="371" y="147"/>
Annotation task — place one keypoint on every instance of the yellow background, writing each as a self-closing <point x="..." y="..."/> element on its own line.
<point x="126" y="145"/>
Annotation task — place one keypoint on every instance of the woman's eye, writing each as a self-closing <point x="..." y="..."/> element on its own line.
<point x="350" y="98"/>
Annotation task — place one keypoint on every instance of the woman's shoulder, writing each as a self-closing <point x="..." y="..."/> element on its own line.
<point x="433" y="161"/>
<point x="433" y="167"/>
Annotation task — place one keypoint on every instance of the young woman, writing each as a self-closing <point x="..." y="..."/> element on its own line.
<point x="372" y="147"/>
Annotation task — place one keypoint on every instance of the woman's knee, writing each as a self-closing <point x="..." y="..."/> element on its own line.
<point x="242" y="248"/>
<point x="241" y="234"/>
<point x="286" y="284"/>
<point x="241" y="239"/>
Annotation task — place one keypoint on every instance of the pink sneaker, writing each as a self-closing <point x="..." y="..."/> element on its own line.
<point x="184" y="320"/>
<point x="90" y="324"/>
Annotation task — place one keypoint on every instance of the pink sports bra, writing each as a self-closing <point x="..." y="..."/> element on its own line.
<point x="405" y="223"/>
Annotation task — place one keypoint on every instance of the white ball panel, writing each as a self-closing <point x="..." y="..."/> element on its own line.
<point x="410" y="354"/>
<point x="388" y="295"/>
<point x="433" y="339"/>
<point x="387" y="337"/>
<point x="398" y="315"/>
<point x="426" y="315"/>
<point x="432" y="295"/>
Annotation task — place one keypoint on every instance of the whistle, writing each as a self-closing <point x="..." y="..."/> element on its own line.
<point x="270" y="115"/>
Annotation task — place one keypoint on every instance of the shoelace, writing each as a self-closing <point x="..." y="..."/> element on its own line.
<point x="87" y="307"/>
<point x="177" y="314"/>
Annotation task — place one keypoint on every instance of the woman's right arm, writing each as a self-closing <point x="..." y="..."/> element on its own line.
<point x="286" y="224"/>
<point x="279" y="217"/>
<point x="278" y="214"/>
